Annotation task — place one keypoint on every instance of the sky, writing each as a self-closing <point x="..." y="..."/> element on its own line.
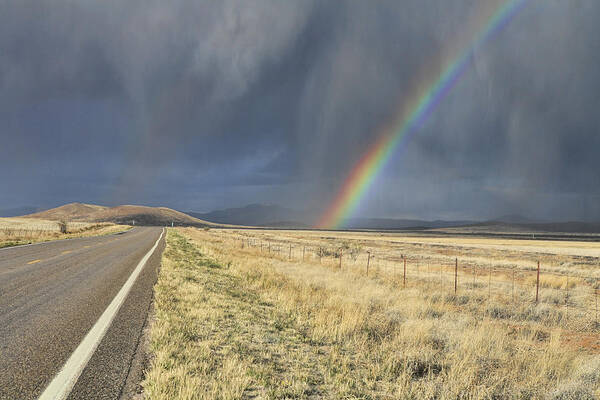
<point x="203" y="105"/>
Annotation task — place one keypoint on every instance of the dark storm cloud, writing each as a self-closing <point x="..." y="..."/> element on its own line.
<point x="198" y="105"/>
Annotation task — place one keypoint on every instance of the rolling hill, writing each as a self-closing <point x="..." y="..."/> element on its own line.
<point x="71" y="212"/>
<point x="124" y="214"/>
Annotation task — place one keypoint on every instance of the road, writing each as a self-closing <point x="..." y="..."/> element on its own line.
<point x="52" y="294"/>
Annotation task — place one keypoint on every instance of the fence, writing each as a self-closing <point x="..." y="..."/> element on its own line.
<point x="572" y="298"/>
<point x="29" y="230"/>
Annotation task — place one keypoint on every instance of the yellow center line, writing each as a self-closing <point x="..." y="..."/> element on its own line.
<point x="34" y="261"/>
<point x="66" y="252"/>
<point x="86" y="247"/>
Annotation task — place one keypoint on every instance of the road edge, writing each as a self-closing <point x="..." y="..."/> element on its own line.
<point x="132" y="388"/>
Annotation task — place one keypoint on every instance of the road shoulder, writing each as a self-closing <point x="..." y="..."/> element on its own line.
<point x="118" y="362"/>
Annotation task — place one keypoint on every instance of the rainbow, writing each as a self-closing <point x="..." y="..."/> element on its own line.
<point x="410" y="118"/>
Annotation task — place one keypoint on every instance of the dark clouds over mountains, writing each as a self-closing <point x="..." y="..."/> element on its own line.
<point x="202" y="105"/>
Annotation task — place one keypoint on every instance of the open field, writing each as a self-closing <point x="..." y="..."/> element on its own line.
<point x="271" y="314"/>
<point x="17" y="231"/>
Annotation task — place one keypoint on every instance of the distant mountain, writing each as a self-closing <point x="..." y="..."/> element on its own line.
<point x="503" y="224"/>
<point x="255" y="215"/>
<point x="18" y="211"/>
<point x="514" y="219"/>
<point x="125" y="214"/>
<point x="281" y="217"/>
<point x="396" y="224"/>
<point x="556" y="227"/>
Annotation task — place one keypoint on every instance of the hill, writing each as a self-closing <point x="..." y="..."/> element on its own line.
<point x="144" y="215"/>
<point x="72" y="212"/>
<point x="124" y="214"/>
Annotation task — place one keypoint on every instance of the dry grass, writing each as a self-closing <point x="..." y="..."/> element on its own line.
<point x="243" y="322"/>
<point x="17" y="231"/>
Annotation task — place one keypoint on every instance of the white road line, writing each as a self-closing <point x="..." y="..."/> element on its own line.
<point x="63" y="382"/>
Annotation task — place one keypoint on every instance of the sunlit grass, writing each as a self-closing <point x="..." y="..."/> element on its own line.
<point x="235" y="322"/>
<point x="18" y="231"/>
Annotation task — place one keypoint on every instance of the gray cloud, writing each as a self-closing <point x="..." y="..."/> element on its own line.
<point x="199" y="105"/>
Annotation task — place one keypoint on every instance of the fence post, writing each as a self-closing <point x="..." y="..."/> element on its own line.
<point x="455" y="274"/>
<point x="290" y="255"/>
<point x="513" y="284"/>
<point x="404" y="271"/>
<point x="490" y="284"/>
<point x="341" y="255"/>
<point x="567" y="297"/>
<point x="596" y="293"/>
<point x="537" y="283"/>
<point x="368" y="261"/>
<point x="474" y="275"/>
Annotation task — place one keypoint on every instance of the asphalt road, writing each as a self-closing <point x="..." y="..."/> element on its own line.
<point x="52" y="294"/>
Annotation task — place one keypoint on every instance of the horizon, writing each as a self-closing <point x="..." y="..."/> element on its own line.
<point x="506" y="218"/>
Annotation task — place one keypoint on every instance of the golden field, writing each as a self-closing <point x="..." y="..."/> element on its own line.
<point x="275" y="314"/>
<point x="17" y="231"/>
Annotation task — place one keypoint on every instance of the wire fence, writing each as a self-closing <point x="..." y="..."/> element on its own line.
<point x="11" y="230"/>
<point x="571" y="300"/>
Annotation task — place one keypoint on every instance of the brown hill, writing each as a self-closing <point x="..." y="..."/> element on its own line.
<point x="126" y="214"/>
<point x="71" y="212"/>
<point x="144" y="215"/>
